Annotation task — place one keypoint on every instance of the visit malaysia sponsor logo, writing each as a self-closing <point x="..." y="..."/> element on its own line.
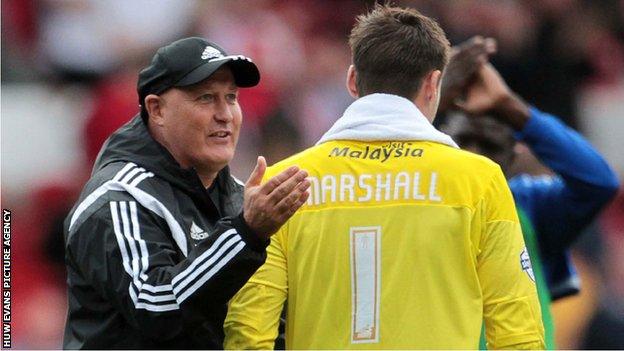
<point x="381" y="153"/>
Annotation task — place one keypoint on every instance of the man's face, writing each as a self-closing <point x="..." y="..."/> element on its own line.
<point x="484" y="136"/>
<point x="202" y="122"/>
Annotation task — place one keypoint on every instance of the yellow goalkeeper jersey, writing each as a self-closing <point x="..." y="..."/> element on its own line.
<point x="400" y="245"/>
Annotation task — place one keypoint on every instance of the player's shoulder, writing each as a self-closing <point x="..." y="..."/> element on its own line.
<point x="467" y="162"/>
<point x="306" y="159"/>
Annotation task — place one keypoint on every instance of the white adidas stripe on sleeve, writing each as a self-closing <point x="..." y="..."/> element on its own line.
<point x="135" y="260"/>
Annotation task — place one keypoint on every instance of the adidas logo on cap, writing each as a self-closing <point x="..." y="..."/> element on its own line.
<point x="210" y="52"/>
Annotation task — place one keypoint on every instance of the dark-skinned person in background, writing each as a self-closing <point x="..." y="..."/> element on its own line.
<point x="489" y="119"/>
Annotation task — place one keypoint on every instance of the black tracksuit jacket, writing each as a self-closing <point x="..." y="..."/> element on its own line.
<point x="151" y="259"/>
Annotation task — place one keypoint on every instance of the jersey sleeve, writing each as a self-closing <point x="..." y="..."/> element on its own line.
<point x="128" y="256"/>
<point x="510" y="304"/>
<point x="253" y="315"/>
<point x="561" y="207"/>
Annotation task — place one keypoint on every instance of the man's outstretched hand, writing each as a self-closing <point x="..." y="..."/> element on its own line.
<point x="489" y="94"/>
<point x="268" y="206"/>
<point x="466" y="59"/>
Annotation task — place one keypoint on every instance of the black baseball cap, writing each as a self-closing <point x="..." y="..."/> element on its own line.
<point x="188" y="61"/>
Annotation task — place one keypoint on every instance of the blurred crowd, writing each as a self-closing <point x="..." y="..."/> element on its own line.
<point x="69" y="70"/>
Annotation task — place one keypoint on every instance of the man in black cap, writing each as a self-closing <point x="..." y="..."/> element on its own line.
<point x="162" y="235"/>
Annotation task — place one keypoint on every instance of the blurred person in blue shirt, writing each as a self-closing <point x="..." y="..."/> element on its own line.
<point x="553" y="209"/>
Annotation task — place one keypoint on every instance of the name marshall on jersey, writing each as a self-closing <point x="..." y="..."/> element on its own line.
<point x="419" y="186"/>
<point x="383" y="153"/>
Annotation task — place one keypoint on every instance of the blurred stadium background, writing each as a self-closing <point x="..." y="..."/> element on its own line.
<point x="69" y="70"/>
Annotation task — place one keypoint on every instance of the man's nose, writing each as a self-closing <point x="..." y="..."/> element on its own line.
<point x="223" y="113"/>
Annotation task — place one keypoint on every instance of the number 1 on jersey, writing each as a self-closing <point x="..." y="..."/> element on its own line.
<point x="365" y="284"/>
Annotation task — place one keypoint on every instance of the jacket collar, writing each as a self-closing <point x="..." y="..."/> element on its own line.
<point x="382" y="117"/>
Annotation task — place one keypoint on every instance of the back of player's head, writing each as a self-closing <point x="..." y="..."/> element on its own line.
<point x="394" y="48"/>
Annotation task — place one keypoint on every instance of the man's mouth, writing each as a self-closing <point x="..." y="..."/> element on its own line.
<point x="220" y="134"/>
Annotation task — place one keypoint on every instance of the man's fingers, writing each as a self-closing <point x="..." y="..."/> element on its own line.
<point x="476" y="40"/>
<point x="284" y="189"/>
<point x="474" y="56"/>
<point x="491" y="45"/>
<point x="255" y="178"/>
<point x="480" y="47"/>
<point x="466" y="58"/>
<point x="302" y="200"/>
<point x="273" y="210"/>
<point x="477" y="51"/>
<point x="271" y="204"/>
<point x="291" y="199"/>
<point x="294" y="206"/>
<point x="471" y="47"/>
<point x="277" y="180"/>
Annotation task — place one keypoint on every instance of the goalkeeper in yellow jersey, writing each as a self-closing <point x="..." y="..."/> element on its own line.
<point x="406" y="241"/>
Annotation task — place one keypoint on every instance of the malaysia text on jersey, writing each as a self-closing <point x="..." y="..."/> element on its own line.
<point x="152" y="256"/>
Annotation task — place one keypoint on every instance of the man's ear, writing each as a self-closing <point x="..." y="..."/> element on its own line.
<point x="351" y="86"/>
<point x="431" y="85"/>
<point x="154" y="106"/>
<point x="428" y="95"/>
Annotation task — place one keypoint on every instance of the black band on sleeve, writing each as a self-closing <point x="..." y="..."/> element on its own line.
<point x="252" y="239"/>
